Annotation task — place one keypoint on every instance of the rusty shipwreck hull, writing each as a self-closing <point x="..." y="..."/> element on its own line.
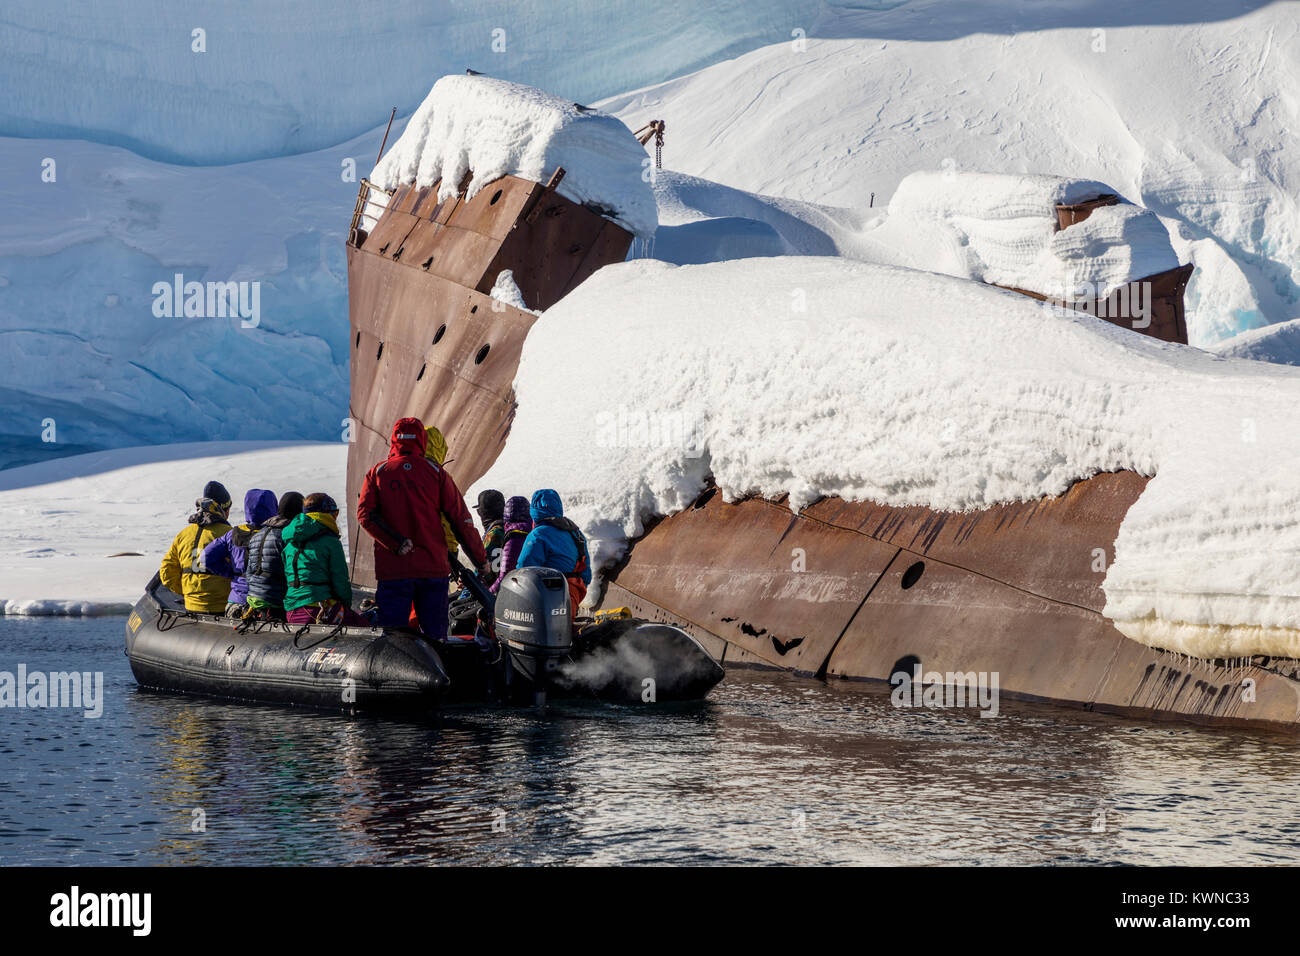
<point x="428" y="339"/>
<point x="857" y="590"/>
<point x="841" y="590"/>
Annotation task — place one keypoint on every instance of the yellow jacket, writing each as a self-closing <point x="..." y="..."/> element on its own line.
<point x="435" y="448"/>
<point x="183" y="571"/>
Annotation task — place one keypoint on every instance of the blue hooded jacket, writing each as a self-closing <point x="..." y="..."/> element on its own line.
<point x="546" y="545"/>
<point x="228" y="555"/>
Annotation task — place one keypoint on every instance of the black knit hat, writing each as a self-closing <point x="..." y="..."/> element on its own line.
<point x="218" y="493"/>
<point x="290" y="504"/>
<point x="491" y="505"/>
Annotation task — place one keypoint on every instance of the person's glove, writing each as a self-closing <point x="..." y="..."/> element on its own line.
<point x="406" y="547"/>
<point x="485" y="573"/>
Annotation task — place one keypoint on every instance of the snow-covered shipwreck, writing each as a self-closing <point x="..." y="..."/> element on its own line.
<point x="1011" y="589"/>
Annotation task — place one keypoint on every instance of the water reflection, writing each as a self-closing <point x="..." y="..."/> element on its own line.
<point x="771" y="769"/>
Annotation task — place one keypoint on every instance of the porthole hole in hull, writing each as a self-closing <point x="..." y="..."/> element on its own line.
<point x="908" y="665"/>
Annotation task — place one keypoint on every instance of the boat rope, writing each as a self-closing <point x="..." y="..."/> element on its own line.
<point x="388" y="130"/>
<point x="168" y="619"/>
<point x="360" y="421"/>
<point x="306" y="628"/>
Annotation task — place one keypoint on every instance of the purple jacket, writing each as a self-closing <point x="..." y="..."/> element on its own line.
<point x="518" y="523"/>
<point x="228" y="555"/>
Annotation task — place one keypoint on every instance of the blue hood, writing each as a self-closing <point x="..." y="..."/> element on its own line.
<point x="545" y="504"/>
<point x="260" y="506"/>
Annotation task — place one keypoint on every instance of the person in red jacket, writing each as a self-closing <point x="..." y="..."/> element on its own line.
<point x="402" y="503"/>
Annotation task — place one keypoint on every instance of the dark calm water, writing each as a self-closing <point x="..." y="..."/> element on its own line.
<point x="770" y="770"/>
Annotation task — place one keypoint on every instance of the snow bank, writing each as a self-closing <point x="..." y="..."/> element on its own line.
<point x="495" y="128"/>
<point x="1002" y="229"/>
<point x="965" y="195"/>
<point x="1279" y="344"/>
<point x="816" y="376"/>
<point x="990" y="227"/>
<point x="1185" y="108"/>
<point x="83" y="535"/>
<point x="66" y="608"/>
<point x="702" y="221"/>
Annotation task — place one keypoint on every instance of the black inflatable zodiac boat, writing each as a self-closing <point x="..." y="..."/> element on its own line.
<point x="524" y="647"/>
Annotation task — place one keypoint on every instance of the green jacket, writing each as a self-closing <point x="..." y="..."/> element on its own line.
<point x="314" y="563"/>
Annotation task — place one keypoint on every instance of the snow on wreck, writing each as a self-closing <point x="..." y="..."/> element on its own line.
<point x="471" y="131"/>
<point x="1073" y="242"/>
<point x="802" y="380"/>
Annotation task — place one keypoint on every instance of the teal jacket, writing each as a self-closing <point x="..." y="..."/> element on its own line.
<point x="314" y="563"/>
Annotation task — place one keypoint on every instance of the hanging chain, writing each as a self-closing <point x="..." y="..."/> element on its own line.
<point x="653" y="128"/>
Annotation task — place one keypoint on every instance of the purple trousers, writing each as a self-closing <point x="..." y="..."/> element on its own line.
<point x="428" y="595"/>
<point x="335" y="614"/>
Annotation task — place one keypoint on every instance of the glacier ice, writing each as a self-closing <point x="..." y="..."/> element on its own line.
<point x="296" y="76"/>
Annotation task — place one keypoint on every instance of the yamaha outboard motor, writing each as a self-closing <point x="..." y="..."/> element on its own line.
<point x="532" y="620"/>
